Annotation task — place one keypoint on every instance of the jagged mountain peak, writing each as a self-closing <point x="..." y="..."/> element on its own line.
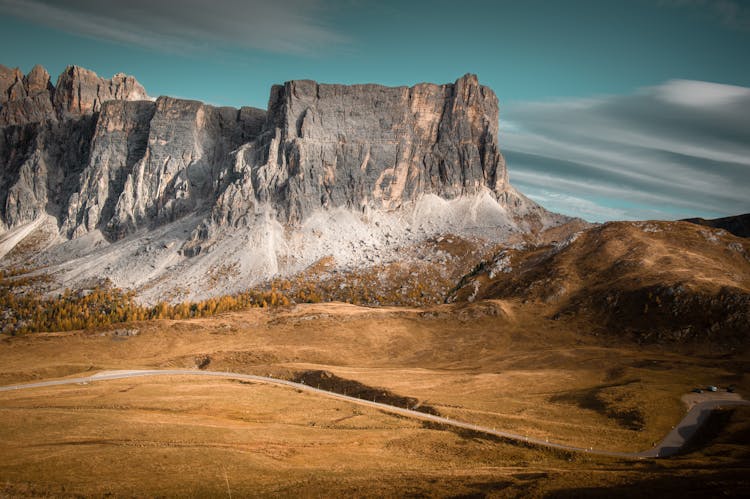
<point x="81" y="91"/>
<point x="38" y="80"/>
<point x="33" y="98"/>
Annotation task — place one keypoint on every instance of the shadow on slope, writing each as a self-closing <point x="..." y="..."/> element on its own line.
<point x="328" y="381"/>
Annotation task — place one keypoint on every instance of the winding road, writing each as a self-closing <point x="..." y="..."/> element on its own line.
<point x="669" y="446"/>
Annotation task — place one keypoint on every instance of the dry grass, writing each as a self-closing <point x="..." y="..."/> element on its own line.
<point x="495" y="363"/>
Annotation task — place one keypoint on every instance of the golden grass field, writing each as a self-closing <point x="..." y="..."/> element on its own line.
<point x="496" y="363"/>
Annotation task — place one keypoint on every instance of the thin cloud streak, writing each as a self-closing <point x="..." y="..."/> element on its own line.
<point x="189" y="26"/>
<point x="679" y="149"/>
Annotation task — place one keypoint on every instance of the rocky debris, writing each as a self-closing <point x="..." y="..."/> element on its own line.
<point x="121" y="333"/>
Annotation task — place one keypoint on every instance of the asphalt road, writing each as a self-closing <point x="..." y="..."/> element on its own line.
<point x="671" y="444"/>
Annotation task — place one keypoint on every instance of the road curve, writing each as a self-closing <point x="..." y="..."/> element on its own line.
<point x="670" y="445"/>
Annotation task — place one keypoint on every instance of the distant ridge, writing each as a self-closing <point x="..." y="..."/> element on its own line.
<point x="739" y="225"/>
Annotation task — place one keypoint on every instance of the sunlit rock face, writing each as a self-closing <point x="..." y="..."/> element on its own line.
<point x="46" y="132"/>
<point x="80" y="91"/>
<point x="154" y="162"/>
<point x="34" y="99"/>
<point x="369" y="145"/>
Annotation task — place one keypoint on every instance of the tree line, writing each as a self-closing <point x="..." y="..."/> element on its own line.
<point x="25" y="310"/>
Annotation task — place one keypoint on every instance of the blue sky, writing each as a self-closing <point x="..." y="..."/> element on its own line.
<point x="610" y="109"/>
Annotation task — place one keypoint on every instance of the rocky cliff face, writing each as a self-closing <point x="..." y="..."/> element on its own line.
<point x="80" y="91"/>
<point x="46" y="136"/>
<point x="364" y="167"/>
<point x="369" y="146"/>
<point x="152" y="163"/>
<point x="96" y="153"/>
<point x="25" y="99"/>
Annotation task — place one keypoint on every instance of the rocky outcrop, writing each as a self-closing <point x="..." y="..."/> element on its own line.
<point x="8" y="77"/>
<point x="39" y="167"/>
<point x="140" y="163"/>
<point x="739" y="225"/>
<point x="46" y="136"/>
<point x="184" y="158"/>
<point x="80" y="91"/>
<point x="119" y="142"/>
<point x="25" y="99"/>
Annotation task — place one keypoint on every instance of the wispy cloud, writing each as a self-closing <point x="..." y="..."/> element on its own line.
<point x="187" y="26"/>
<point x="676" y="150"/>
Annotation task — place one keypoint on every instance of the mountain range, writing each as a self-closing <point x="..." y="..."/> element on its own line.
<point x="362" y="193"/>
<point x="177" y="199"/>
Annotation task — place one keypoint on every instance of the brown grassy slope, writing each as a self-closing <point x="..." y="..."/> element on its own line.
<point x="198" y="437"/>
<point x="655" y="280"/>
<point x="717" y="463"/>
<point x="494" y="363"/>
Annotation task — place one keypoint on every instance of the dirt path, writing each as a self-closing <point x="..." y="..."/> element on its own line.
<point x="671" y="444"/>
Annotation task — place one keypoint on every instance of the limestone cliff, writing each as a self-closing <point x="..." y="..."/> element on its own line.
<point x="363" y="146"/>
<point x="80" y="91"/>
<point x="154" y="162"/>
<point x="368" y="147"/>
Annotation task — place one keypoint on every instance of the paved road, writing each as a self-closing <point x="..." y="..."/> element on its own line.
<point x="671" y="444"/>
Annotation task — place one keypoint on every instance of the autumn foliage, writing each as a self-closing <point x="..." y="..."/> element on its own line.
<point x="24" y="310"/>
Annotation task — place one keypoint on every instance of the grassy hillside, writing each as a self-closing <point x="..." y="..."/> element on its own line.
<point x="496" y="363"/>
<point x="654" y="281"/>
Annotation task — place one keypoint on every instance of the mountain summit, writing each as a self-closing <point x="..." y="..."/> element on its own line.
<point x="353" y="172"/>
